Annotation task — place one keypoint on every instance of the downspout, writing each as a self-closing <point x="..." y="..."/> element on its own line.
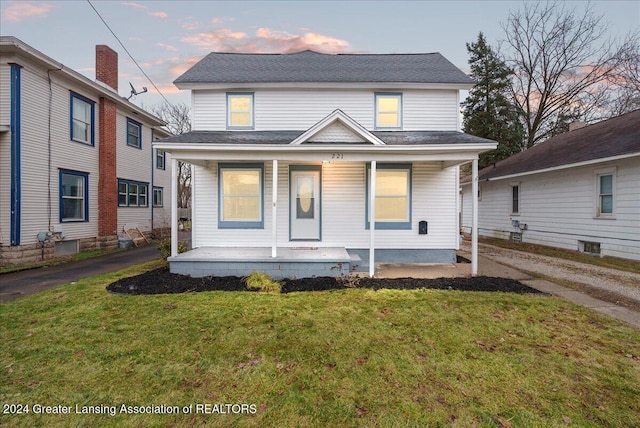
<point x="152" y="182"/>
<point x="16" y="173"/>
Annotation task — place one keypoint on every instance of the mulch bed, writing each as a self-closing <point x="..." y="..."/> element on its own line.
<point x="161" y="281"/>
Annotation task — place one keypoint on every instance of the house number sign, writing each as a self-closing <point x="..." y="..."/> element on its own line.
<point x="337" y="156"/>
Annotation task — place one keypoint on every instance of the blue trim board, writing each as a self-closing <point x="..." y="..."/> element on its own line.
<point x="92" y="103"/>
<point x="305" y="168"/>
<point x="386" y="225"/>
<point x="85" y="176"/>
<point x="16" y="171"/>
<point x="241" y="224"/>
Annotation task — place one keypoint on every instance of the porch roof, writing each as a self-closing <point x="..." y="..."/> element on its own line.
<point x="260" y="138"/>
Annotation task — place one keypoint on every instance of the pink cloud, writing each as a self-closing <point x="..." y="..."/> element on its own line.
<point x="135" y="5"/>
<point x="19" y="11"/>
<point x="162" y="15"/>
<point x="265" y="40"/>
<point x="166" y="46"/>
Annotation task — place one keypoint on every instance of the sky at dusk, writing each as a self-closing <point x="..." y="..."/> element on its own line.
<point x="167" y="37"/>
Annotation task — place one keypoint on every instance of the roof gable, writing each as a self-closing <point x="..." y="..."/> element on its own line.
<point x="613" y="137"/>
<point x="309" y="66"/>
<point x="337" y="124"/>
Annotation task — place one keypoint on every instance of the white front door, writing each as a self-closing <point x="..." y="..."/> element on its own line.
<point x="304" y="197"/>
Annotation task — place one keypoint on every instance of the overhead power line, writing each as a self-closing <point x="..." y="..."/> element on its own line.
<point x="127" y="51"/>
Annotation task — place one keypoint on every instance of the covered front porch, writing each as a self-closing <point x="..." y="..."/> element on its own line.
<point x="306" y="203"/>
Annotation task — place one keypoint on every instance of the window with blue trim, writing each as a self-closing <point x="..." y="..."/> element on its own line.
<point x="82" y="128"/>
<point x="240" y="192"/>
<point x="158" y="196"/>
<point x="240" y="110"/>
<point x="388" y="111"/>
<point x="134" y="133"/>
<point x="160" y="159"/>
<point x="74" y="196"/>
<point x="393" y="196"/>
<point x="132" y="193"/>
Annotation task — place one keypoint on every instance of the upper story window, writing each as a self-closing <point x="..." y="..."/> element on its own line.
<point x="82" y="119"/>
<point x="240" y="110"/>
<point x="605" y="196"/>
<point x="134" y="133"/>
<point x="160" y="159"/>
<point x="388" y="111"/>
<point x="393" y="196"/>
<point x="74" y="196"/>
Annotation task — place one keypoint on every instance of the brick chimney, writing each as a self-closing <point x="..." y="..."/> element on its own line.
<point x="107" y="66"/>
<point x="107" y="72"/>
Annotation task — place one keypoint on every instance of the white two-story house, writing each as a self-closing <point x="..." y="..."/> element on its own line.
<point x="314" y="164"/>
<point x="76" y="160"/>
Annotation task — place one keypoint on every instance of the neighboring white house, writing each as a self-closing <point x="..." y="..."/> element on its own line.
<point x="289" y="150"/>
<point x="76" y="160"/>
<point x="579" y="190"/>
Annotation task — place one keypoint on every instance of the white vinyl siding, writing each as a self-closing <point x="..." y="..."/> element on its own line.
<point x="343" y="209"/>
<point x="425" y="110"/>
<point x="559" y="209"/>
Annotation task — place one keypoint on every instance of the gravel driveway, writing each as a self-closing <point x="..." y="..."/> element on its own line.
<point x="626" y="284"/>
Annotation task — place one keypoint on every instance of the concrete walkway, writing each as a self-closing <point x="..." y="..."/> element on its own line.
<point x="18" y="284"/>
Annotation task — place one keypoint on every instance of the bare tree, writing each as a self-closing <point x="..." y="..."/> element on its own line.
<point x="563" y="64"/>
<point x="178" y="119"/>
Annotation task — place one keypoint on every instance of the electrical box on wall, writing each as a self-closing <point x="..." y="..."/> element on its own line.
<point x="422" y="227"/>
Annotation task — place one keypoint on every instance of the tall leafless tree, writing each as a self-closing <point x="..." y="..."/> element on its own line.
<point x="563" y="64"/>
<point x="178" y="119"/>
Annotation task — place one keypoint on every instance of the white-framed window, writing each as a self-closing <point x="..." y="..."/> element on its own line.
<point x="160" y="159"/>
<point x="82" y="128"/>
<point x="515" y="198"/>
<point x="240" y="192"/>
<point x="132" y="193"/>
<point x="240" y="110"/>
<point x="605" y="192"/>
<point x="388" y="111"/>
<point x="393" y="196"/>
<point x="74" y="196"/>
<point x="158" y="196"/>
<point x="134" y="133"/>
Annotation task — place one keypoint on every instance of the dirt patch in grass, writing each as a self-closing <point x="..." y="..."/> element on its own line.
<point x="161" y="281"/>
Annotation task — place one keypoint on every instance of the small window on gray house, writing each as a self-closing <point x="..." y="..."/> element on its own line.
<point x="515" y="199"/>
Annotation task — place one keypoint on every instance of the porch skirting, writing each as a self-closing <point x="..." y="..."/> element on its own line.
<point x="303" y="262"/>
<point x="296" y="262"/>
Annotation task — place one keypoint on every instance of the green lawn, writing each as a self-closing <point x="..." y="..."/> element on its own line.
<point x="341" y="358"/>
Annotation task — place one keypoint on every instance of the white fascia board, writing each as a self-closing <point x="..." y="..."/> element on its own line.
<point x="12" y="44"/>
<point x="445" y="153"/>
<point x="561" y="167"/>
<point x="338" y="116"/>
<point x="323" y="85"/>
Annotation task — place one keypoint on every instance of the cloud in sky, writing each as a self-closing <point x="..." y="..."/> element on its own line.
<point x="265" y="40"/>
<point x="158" y="14"/>
<point x="18" y="11"/>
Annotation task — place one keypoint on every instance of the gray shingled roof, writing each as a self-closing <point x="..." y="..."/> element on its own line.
<point x="392" y="138"/>
<point x="309" y="66"/>
<point x="613" y="137"/>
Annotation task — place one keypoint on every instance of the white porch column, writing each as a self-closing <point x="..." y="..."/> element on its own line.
<point x="372" y="220"/>
<point x="474" y="217"/>
<point x="174" y="207"/>
<point x="274" y="210"/>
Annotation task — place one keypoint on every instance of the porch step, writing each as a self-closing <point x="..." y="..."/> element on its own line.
<point x="298" y="262"/>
